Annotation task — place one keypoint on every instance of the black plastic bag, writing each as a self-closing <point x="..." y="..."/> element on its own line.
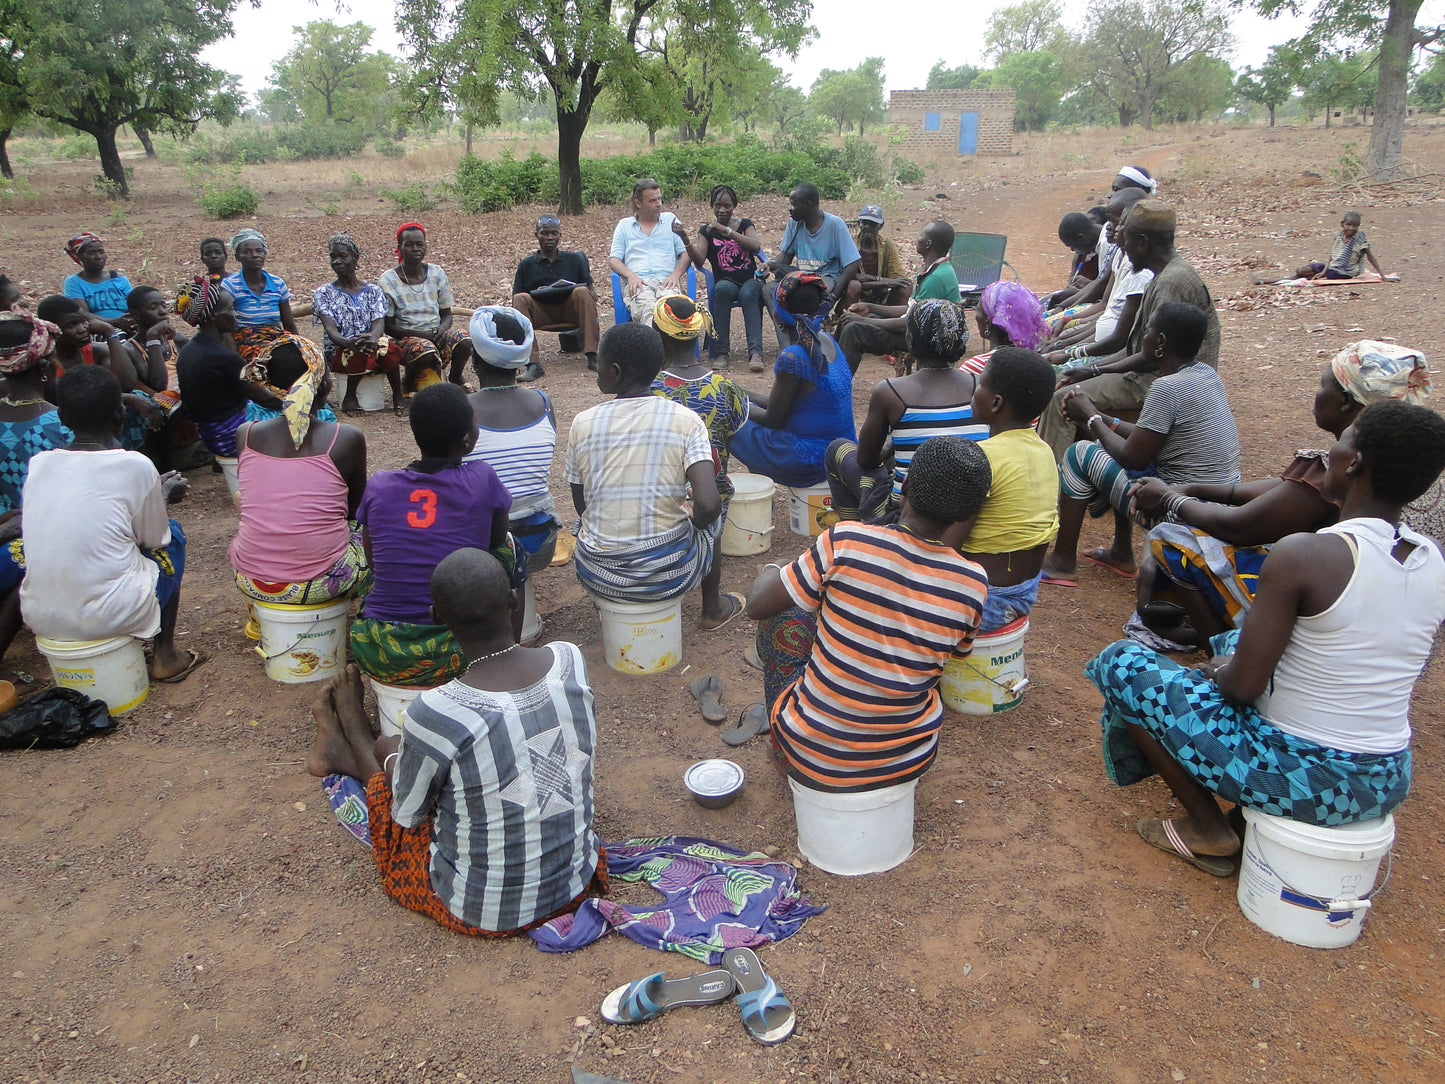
<point x="56" y="719"/>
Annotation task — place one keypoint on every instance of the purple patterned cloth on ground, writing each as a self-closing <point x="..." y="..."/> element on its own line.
<point x="714" y="898"/>
<point x="348" y="801"/>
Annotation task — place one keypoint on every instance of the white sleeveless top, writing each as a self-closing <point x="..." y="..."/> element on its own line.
<point x="1346" y="674"/>
<point x="522" y="458"/>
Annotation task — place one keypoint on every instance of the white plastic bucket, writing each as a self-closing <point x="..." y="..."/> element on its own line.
<point x="749" y="526"/>
<point x="113" y="669"/>
<point x="391" y="704"/>
<point x="371" y="392"/>
<point x="1311" y="886"/>
<point x="229" y="467"/>
<point x="810" y="510"/>
<point x="641" y="638"/>
<point x="994" y="676"/>
<point x="531" y="619"/>
<point x="302" y="643"/>
<point x="853" y="834"/>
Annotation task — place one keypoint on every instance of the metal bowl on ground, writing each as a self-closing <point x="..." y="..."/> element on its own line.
<point x="713" y="784"/>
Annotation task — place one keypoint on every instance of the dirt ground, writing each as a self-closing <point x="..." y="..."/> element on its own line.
<point x="181" y="906"/>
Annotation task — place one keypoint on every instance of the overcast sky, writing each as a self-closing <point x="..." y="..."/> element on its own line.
<point x="909" y="34"/>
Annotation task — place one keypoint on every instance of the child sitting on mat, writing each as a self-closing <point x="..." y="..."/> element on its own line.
<point x="1348" y="253"/>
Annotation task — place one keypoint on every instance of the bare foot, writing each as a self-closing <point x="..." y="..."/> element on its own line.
<point x="332" y="754"/>
<point x="350" y="703"/>
<point x="172" y="665"/>
<point x="351" y="406"/>
<point x="1058" y="566"/>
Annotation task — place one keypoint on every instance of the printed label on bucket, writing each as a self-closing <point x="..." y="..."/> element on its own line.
<point x="67" y="676"/>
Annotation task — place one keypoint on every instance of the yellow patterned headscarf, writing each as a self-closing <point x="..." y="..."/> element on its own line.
<point x="297" y="404"/>
<point x="695" y="327"/>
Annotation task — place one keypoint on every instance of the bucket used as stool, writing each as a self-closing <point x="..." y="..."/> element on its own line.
<point x="113" y="669"/>
<point x="1308" y="885"/>
<point x="302" y="643"/>
<point x="229" y="467"/>
<point x="810" y="509"/>
<point x="641" y="638"/>
<point x="391" y="705"/>
<point x="994" y="676"/>
<point x="531" y="619"/>
<point x="371" y="392"/>
<point x="853" y="834"/>
<point x="749" y="526"/>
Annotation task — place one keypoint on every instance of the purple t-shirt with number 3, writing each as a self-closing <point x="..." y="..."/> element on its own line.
<point x="413" y="519"/>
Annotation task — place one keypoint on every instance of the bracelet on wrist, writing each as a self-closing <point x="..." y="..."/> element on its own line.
<point x="154" y="342"/>
<point x="1089" y="425"/>
<point x="1094" y="369"/>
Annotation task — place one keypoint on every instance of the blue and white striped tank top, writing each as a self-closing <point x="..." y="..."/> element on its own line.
<point x="918" y="423"/>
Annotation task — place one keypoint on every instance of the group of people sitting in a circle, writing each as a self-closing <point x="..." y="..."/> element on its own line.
<point x="959" y="497"/>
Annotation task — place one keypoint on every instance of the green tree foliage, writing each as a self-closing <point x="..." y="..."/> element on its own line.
<point x="1036" y="78"/>
<point x="1032" y="26"/>
<point x="95" y="65"/>
<point x="1272" y="83"/>
<point x="1139" y="47"/>
<point x="328" y="77"/>
<point x="1334" y="81"/>
<point x="1203" y="88"/>
<point x="1430" y="85"/>
<point x="1387" y="26"/>
<point x="852" y="98"/>
<point x="468" y="52"/>
<point x="942" y="77"/>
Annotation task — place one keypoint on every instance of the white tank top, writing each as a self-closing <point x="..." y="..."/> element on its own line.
<point x="1346" y="674"/>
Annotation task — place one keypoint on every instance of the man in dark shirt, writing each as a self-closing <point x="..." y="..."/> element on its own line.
<point x="553" y="289"/>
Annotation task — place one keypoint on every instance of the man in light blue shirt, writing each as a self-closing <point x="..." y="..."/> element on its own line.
<point x="819" y="242"/>
<point x="649" y="251"/>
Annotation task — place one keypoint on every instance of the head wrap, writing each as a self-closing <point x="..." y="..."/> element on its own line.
<point x="492" y="348"/>
<point x="345" y="242"/>
<point x="805" y="327"/>
<point x="402" y="229"/>
<point x="29" y="354"/>
<point x="1135" y="176"/>
<point x="296" y="402"/>
<point x="547" y="220"/>
<point x="1013" y="307"/>
<point x="663" y="319"/>
<point x="242" y="236"/>
<point x="1373" y="371"/>
<point x="938" y="328"/>
<point x="78" y="242"/>
<point x="1152" y="216"/>
<point x="198" y="300"/>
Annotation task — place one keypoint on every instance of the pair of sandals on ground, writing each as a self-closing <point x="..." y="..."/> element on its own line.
<point x="707" y="690"/>
<point x="767" y="1016"/>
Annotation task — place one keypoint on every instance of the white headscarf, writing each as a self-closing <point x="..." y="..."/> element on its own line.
<point x="1149" y="184"/>
<point x="503" y="353"/>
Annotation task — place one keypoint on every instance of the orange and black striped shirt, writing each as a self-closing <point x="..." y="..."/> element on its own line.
<point x="892" y="609"/>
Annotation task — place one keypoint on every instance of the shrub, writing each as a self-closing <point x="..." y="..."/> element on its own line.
<point x="306" y="142"/>
<point x="390" y="148"/>
<point x="412" y="200"/>
<point x="237" y="148"/>
<point x="76" y="147"/>
<point x="233" y="201"/>
<point x="906" y="172"/>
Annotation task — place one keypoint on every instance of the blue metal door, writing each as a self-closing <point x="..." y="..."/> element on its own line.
<point x="968" y="133"/>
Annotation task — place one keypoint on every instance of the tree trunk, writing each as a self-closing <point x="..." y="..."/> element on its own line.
<point x="700" y="132"/>
<point x="1329" y="109"/>
<point x="5" y="170"/>
<point x="1271" y="115"/>
<point x="145" y="141"/>
<point x="651" y="136"/>
<point x="110" y="163"/>
<point x="571" y="123"/>
<point x="469" y="139"/>
<point x="1387" y="135"/>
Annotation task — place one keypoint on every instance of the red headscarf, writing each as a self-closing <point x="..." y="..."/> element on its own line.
<point x="29" y="354"/>
<point x="78" y="242"/>
<point x="402" y="229"/>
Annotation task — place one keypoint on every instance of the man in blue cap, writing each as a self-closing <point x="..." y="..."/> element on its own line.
<point x="881" y="279"/>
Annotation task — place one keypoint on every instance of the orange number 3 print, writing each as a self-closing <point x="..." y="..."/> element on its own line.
<point x="426" y="515"/>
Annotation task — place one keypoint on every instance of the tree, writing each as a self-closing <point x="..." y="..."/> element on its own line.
<point x="329" y="77"/>
<point x="136" y="62"/>
<point x="1031" y="26"/>
<point x="1036" y="79"/>
<point x="1429" y="87"/>
<point x="1272" y="83"/>
<point x="853" y="97"/>
<point x="785" y="103"/>
<point x="1203" y="87"/>
<point x="1336" y="81"/>
<point x="1139" y="47"/>
<point x="467" y="52"/>
<point x="13" y="107"/>
<point x="1385" y="25"/>
<point x="941" y="77"/>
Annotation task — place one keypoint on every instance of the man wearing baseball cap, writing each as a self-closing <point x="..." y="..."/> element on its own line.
<point x="881" y="279"/>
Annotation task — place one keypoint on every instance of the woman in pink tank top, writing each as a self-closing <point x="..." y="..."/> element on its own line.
<point x="301" y="481"/>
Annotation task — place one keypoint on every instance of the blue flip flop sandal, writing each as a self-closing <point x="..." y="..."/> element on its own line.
<point x="767" y="1016"/>
<point x="644" y="999"/>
